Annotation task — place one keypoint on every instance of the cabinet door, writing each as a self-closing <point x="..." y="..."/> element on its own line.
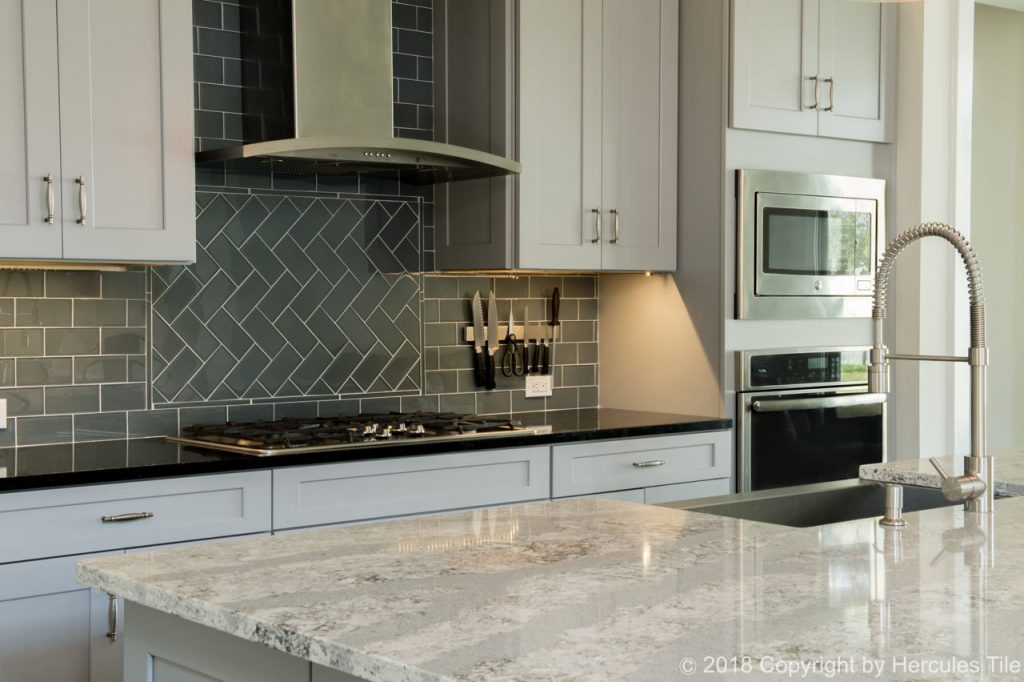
<point x="640" y="86"/>
<point x="45" y="624"/>
<point x="126" y="130"/>
<point x="559" y="134"/>
<point x="106" y="654"/>
<point x="774" y="61"/>
<point x="29" y="130"/>
<point x="857" y="49"/>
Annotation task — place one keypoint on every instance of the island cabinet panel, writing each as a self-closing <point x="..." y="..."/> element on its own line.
<point x="52" y="628"/>
<point x="688" y="491"/>
<point x="46" y="523"/>
<point x="599" y="466"/>
<point x="353" y="491"/>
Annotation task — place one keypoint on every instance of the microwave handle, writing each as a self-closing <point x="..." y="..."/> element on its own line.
<point x="786" y="404"/>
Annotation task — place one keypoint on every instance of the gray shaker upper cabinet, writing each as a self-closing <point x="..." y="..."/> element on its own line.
<point x="815" y="67"/>
<point x="585" y="92"/>
<point x="102" y="106"/>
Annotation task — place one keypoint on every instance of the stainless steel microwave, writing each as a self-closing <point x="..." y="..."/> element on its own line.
<point x="807" y="244"/>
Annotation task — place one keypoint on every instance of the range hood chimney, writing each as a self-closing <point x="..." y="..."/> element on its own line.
<point x="317" y="98"/>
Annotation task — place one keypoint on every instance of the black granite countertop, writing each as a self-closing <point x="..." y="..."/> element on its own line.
<point x="50" y="466"/>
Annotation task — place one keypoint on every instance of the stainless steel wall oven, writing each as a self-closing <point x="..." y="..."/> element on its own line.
<point x="805" y="416"/>
<point x="807" y="245"/>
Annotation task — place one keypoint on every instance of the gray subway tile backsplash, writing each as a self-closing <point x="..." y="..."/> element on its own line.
<point x="306" y="297"/>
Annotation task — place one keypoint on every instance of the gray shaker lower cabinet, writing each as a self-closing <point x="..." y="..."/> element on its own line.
<point x="51" y="628"/>
<point x="373" y="489"/>
<point x="660" y="468"/>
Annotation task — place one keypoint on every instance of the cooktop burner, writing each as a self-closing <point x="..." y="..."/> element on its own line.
<point x="293" y="435"/>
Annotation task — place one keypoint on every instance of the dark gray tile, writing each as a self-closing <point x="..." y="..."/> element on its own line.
<point x="129" y="341"/>
<point x="577" y="331"/>
<point x="208" y="70"/>
<point x="589" y="396"/>
<point x="566" y="353"/>
<point x="456" y="310"/>
<point x="219" y="43"/>
<point x="145" y="423"/>
<point x="41" y="312"/>
<point x="41" y="430"/>
<point x="128" y="285"/>
<point x="43" y="371"/>
<point x="9" y="438"/>
<point x="100" y="312"/>
<point x="6" y="312"/>
<point x="303" y="409"/>
<point x="7" y="372"/>
<point x="190" y="416"/>
<point x="21" y="283"/>
<point x="494" y="402"/>
<point x="520" y="403"/>
<point x="417" y="43"/>
<point x="250" y="413"/>
<point x="442" y="334"/>
<point x="206" y="14"/>
<point x="380" y="405"/>
<point x="440" y="382"/>
<point x="73" y="284"/>
<point x="100" y="454"/>
<point x="455" y="357"/>
<point x="511" y="287"/>
<point x="419" y="403"/>
<point x="431" y="311"/>
<point x="123" y="397"/>
<point x="430" y="359"/>
<point x="80" y="341"/>
<point x="563" y="399"/>
<point x="23" y="342"/>
<point x="588" y="309"/>
<point x="137" y="313"/>
<point x="336" y="408"/>
<point x="586" y="353"/>
<point x="68" y="399"/>
<point x="99" y="369"/>
<point x="23" y="401"/>
<point x="544" y="287"/>
<point x="579" y="287"/>
<point x="440" y="287"/>
<point x="579" y="375"/>
<point x="137" y="368"/>
<point x="104" y="426"/>
<point x="225" y="98"/>
<point x="464" y="403"/>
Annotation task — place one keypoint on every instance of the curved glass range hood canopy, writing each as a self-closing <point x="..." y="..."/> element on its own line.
<point x="317" y="95"/>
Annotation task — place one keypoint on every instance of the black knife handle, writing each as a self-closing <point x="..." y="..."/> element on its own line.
<point x="479" y="367"/>
<point x="545" y="359"/>
<point x="491" y="384"/>
<point x="535" y="367"/>
<point x="556" y="303"/>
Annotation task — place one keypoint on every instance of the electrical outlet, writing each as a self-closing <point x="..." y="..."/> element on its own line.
<point x="538" y="385"/>
<point x="3" y="414"/>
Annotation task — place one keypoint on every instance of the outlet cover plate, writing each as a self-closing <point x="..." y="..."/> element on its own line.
<point x="538" y="385"/>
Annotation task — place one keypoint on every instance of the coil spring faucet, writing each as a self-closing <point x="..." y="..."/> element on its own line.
<point x="975" y="487"/>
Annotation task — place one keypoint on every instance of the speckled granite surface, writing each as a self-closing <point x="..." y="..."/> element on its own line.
<point x="601" y="590"/>
<point x="1009" y="467"/>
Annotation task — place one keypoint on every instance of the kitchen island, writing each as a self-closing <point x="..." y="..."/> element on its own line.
<point x="582" y="589"/>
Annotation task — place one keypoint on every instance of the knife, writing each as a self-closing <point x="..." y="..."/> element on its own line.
<point x="479" y="368"/>
<point x="556" y="303"/>
<point x="492" y="339"/>
<point x="526" y="339"/>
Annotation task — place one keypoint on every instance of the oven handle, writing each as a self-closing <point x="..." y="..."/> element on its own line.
<point x="785" y="404"/>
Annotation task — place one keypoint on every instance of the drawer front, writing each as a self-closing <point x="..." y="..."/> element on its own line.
<point x="599" y="466"/>
<point x="351" y="491"/>
<point x="58" y="522"/>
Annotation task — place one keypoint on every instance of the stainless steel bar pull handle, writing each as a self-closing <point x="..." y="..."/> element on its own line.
<point x="649" y="463"/>
<point x="817" y="92"/>
<point x="831" y="94"/>
<point x="615" y="226"/>
<point x="83" y="202"/>
<point x="112" y="618"/>
<point x="121" y="518"/>
<point x="597" y="226"/>
<point x="51" y="200"/>
<point x="823" y="403"/>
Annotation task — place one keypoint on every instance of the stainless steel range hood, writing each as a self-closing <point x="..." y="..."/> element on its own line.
<point x="335" y="98"/>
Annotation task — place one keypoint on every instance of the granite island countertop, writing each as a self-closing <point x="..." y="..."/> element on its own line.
<point x="1009" y="470"/>
<point x="590" y="589"/>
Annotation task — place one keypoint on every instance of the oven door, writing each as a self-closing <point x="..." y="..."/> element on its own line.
<point x="814" y="245"/>
<point x="797" y="437"/>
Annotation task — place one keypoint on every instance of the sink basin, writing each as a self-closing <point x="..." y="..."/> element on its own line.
<point x="813" y="505"/>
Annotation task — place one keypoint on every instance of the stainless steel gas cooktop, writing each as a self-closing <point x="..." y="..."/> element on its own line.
<point x="298" y="435"/>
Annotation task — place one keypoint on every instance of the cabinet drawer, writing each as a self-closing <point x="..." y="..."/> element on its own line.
<point x="350" y="491"/>
<point x="594" y="467"/>
<point x="62" y="521"/>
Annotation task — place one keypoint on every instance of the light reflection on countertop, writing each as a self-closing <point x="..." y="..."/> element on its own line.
<point x="598" y="589"/>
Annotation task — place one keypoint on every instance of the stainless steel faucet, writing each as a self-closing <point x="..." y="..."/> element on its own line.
<point x="975" y="487"/>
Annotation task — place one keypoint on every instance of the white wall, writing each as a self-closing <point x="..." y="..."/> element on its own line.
<point x="997" y="210"/>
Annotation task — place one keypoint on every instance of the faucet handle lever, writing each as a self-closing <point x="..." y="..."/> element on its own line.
<point x="958" y="488"/>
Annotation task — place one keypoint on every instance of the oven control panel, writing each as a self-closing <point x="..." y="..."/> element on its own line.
<point x="803" y="367"/>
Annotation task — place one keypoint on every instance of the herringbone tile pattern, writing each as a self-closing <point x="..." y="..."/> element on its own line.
<point x="291" y="296"/>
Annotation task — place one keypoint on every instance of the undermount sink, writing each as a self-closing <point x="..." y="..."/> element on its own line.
<point x="813" y="505"/>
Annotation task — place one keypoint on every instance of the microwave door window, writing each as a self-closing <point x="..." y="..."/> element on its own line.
<point x="816" y="242"/>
